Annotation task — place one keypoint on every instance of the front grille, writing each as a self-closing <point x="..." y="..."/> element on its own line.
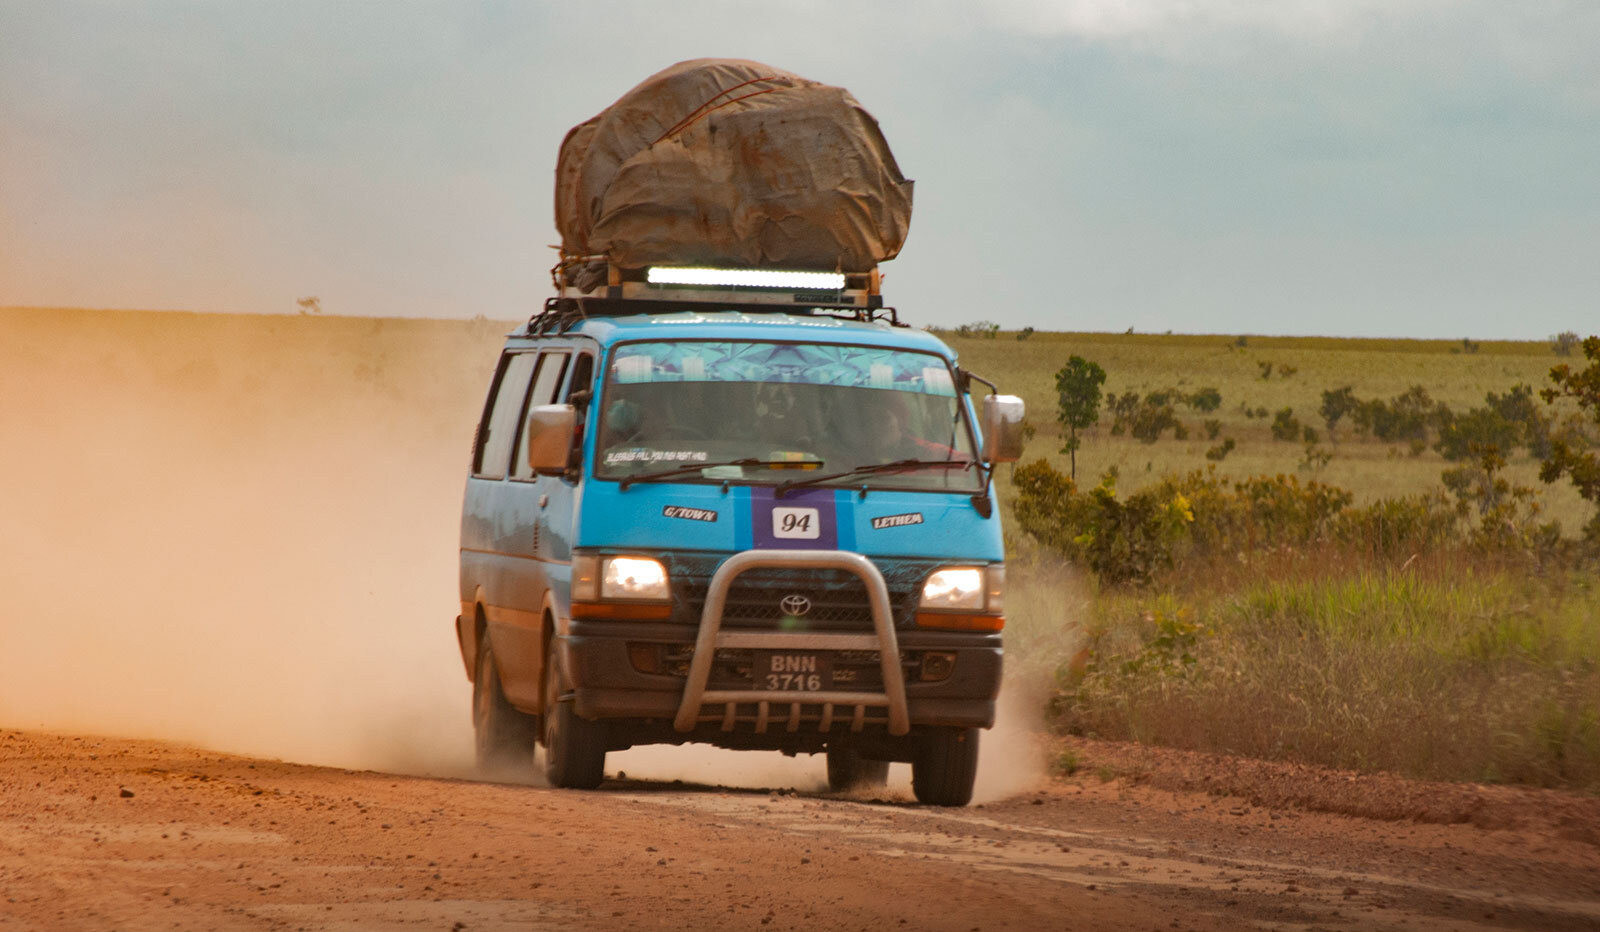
<point x="838" y="600"/>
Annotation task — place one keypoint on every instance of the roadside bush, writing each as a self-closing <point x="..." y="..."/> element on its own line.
<point x="1508" y="514"/>
<point x="1197" y="515"/>
<point x="1220" y="452"/>
<point x="1121" y="541"/>
<point x="1487" y="673"/>
<point x="1398" y="527"/>
<point x="1567" y="458"/>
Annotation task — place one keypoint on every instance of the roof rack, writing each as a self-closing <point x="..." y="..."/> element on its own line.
<point x="563" y="313"/>
<point x="580" y="277"/>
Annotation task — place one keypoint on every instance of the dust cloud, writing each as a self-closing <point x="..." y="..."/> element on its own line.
<point x="240" y="532"/>
<point x="237" y="531"/>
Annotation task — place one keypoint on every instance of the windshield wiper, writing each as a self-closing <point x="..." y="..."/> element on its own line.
<point x="896" y="466"/>
<point x="696" y="467"/>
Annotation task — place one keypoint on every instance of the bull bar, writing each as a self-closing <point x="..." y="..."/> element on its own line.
<point x="711" y="637"/>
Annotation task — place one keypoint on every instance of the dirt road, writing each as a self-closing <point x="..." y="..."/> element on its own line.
<point x="110" y="833"/>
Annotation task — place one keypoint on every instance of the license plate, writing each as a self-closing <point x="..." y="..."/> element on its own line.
<point x="792" y="671"/>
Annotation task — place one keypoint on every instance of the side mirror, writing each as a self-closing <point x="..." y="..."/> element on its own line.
<point x="1002" y="428"/>
<point x="549" y="434"/>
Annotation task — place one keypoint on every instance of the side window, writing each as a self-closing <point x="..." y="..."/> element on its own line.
<point x="582" y="375"/>
<point x="550" y="373"/>
<point x="545" y="383"/>
<point x="500" y="428"/>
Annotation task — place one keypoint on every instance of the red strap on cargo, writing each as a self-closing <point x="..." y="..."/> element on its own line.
<point x="701" y="110"/>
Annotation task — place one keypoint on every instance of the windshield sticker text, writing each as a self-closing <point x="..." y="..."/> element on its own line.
<point x="691" y="514"/>
<point x="656" y="456"/>
<point x="879" y="524"/>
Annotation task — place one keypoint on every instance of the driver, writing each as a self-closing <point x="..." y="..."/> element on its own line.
<point x="887" y="425"/>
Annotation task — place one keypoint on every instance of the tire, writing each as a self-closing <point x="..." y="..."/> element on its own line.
<point x="848" y="770"/>
<point x="504" y="738"/>
<point x="946" y="767"/>
<point x="574" y="748"/>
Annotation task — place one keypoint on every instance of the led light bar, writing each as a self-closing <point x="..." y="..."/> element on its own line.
<point x="746" y="278"/>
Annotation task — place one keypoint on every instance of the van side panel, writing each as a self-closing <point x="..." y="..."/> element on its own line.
<point x="500" y="553"/>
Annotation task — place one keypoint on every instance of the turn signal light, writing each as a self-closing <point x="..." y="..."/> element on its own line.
<point x="960" y="622"/>
<point x="627" y="611"/>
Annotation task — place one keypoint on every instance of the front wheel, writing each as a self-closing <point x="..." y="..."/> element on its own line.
<point x="574" y="748"/>
<point x="848" y="770"/>
<point x="945" y="767"/>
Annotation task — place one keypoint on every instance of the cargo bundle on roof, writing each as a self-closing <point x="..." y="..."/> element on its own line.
<point x="731" y="164"/>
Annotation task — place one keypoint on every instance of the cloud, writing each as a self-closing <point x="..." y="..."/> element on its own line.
<point x="1117" y="19"/>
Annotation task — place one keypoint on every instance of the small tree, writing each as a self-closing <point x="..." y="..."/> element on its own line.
<point x="1336" y="403"/>
<point x="1564" y="458"/>
<point x="1078" y="387"/>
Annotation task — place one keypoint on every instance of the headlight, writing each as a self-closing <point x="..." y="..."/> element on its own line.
<point x="633" y="578"/>
<point x="956" y="589"/>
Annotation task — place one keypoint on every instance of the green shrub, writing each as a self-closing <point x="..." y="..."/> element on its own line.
<point x="1121" y="541"/>
<point x="1285" y="426"/>
<point x="1567" y="457"/>
<point x="1405" y="417"/>
<point x="1464" y="434"/>
<point x="1197" y="515"/>
<point x="1398" y="527"/>
<point x="1336" y="403"/>
<point x="1206" y="400"/>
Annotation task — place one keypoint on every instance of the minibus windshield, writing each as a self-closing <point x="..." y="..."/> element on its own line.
<point x="780" y="412"/>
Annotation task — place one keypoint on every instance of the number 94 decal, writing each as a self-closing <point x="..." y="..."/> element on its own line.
<point x="796" y="524"/>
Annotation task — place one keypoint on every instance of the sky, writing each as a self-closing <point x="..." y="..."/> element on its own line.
<point x="1419" y="168"/>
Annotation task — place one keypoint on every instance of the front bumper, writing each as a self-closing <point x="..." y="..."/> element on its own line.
<point x="672" y="681"/>
<point x="606" y="684"/>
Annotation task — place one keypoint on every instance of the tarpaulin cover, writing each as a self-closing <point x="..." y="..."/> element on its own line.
<point x="732" y="163"/>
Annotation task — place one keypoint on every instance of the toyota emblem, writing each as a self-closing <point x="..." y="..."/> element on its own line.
<point x="795" y="605"/>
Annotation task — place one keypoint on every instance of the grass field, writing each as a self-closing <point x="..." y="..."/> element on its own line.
<point x="1369" y="468"/>
<point x="1454" y="664"/>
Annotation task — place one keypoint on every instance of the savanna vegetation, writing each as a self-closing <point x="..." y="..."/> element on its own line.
<point x="1363" y="553"/>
